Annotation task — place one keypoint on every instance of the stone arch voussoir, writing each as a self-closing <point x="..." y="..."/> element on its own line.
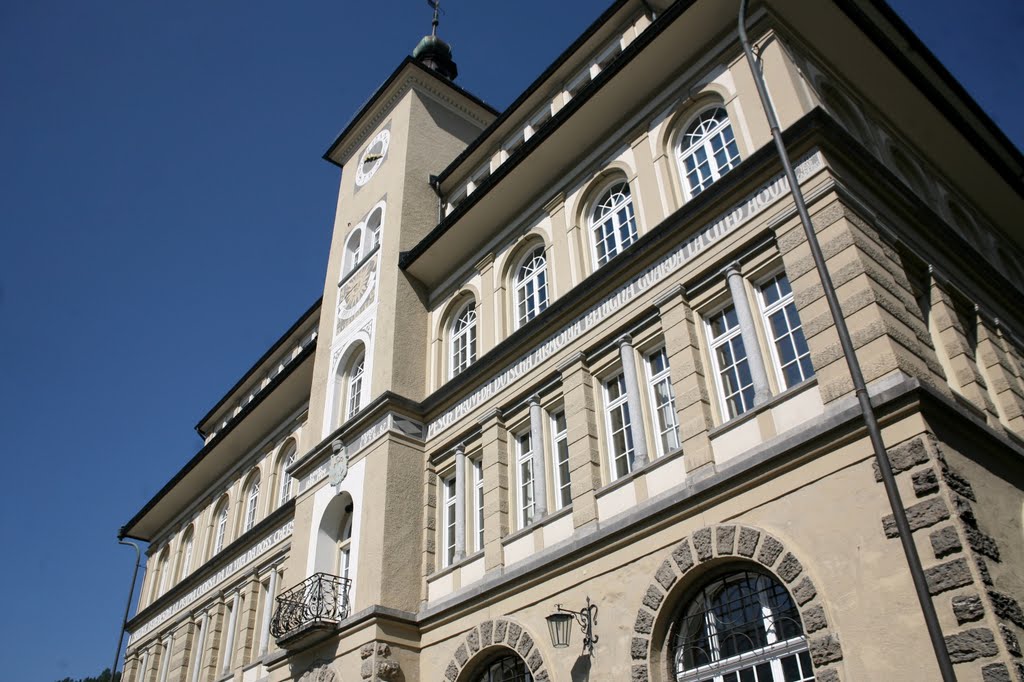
<point x="742" y="543"/>
<point x="483" y="639"/>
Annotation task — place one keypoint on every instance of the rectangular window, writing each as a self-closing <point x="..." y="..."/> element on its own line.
<point x="448" y="521"/>
<point x="790" y="354"/>
<point x="478" y="502"/>
<point x="524" y="469"/>
<point x="663" y="401"/>
<point x="560" y="448"/>
<point x="620" y="438"/>
<point x="732" y="372"/>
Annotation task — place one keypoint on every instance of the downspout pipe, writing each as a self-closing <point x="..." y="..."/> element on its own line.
<point x="435" y="184"/>
<point x="870" y="422"/>
<point x="128" y="606"/>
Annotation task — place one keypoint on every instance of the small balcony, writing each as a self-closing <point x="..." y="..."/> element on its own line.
<point x="310" y="609"/>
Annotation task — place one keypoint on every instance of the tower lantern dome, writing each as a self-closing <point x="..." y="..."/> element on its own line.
<point x="436" y="54"/>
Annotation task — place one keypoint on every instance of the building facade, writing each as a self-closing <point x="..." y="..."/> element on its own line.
<point x="577" y="352"/>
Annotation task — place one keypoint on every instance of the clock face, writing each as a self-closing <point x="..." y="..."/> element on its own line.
<point x="356" y="290"/>
<point x="373" y="157"/>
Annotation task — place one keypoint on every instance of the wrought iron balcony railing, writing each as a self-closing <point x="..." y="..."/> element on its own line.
<point x="319" y="601"/>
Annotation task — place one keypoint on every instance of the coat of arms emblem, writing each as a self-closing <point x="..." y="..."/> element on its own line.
<point x="337" y="469"/>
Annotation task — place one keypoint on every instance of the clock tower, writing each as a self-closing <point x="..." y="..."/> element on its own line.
<point x="373" y="329"/>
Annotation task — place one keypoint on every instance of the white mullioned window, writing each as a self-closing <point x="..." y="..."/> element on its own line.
<point x="707" y="151"/>
<point x="478" y="503"/>
<point x="355" y="385"/>
<point x="742" y="627"/>
<point x="463" y="339"/>
<point x="252" y="503"/>
<point x="560" y="449"/>
<point x="612" y="222"/>
<point x="164" y="569"/>
<point x="448" y="520"/>
<point x="373" y="225"/>
<point x="285" y="492"/>
<point x="790" y="355"/>
<point x="186" y="552"/>
<point x="531" y="286"/>
<point x="620" y="438"/>
<point x="221" y="530"/>
<point x="732" y="371"/>
<point x="663" y="401"/>
<point x="524" y="478"/>
<point x="345" y="552"/>
<point x="353" y="251"/>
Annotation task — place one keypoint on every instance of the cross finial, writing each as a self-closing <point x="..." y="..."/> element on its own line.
<point x="436" y="4"/>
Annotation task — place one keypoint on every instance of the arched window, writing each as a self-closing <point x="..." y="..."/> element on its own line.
<point x="187" y="542"/>
<point x="373" y="224"/>
<point x="509" y="668"/>
<point x="352" y="251"/>
<point x="707" y="151"/>
<point x="345" y="551"/>
<point x="531" y="286"/>
<point x="463" y="339"/>
<point x="163" y="571"/>
<point x="613" y="222"/>
<point x="287" y="459"/>
<point x="252" y="502"/>
<point x="741" y="626"/>
<point x="220" y="528"/>
<point x="355" y="385"/>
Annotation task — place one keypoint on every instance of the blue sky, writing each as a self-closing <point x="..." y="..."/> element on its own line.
<point x="165" y="216"/>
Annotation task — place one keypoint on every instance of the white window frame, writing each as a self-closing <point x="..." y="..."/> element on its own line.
<point x="448" y="529"/>
<point x="352" y="253"/>
<point x="665" y="421"/>
<point x="713" y="344"/>
<point x="526" y="503"/>
<point x="530" y="284"/>
<point x="252" y="501"/>
<point x="188" y="539"/>
<point x="611" y="219"/>
<point x="560" y="438"/>
<point x="354" y="385"/>
<point x="478" y="503"/>
<point x="462" y="339"/>
<point x="374" y="231"/>
<point x="612" y="405"/>
<point x="345" y="550"/>
<point x="720" y="130"/>
<point x="767" y="310"/>
<point x="220" y="529"/>
<point x="285" y="490"/>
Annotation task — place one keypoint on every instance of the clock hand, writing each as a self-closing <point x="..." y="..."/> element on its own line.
<point x="372" y="157"/>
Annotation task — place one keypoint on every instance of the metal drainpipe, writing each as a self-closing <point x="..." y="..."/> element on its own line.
<point x="435" y="185"/>
<point x="870" y="422"/>
<point x="128" y="606"/>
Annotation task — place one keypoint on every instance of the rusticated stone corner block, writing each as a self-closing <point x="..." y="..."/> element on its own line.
<point x="770" y="551"/>
<point x="972" y="644"/>
<point x="500" y="627"/>
<point x="827" y="675"/>
<point x="1010" y="637"/>
<point x="995" y="672"/>
<point x="683" y="557"/>
<point x="387" y="669"/>
<point x="1019" y="667"/>
<point x="925" y="482"/>
<point x="638" y="648"/>
<point x="920" y="515"/>
<point x="964" y="511"/>
<point x="982" y="543"/>
<point x="525" y="644"/>
<point x="968" y="608"/>
<point x="461" y="655"/>
<point x="804" y="591"/>
<point x="702" y="543"/>
<point x="534" y="660"/>
<point x="653" y="597"/>
<point x="541" y="676"/>
<point x="383" y="649"/>
<point x="748" y="542"/>
<point x="948" y="576"/>
<point x="789" y="568"/>
<point x="825" y="650"/>
<point x="957" y="483"/>
<point x="486" y="633"/>
<point x="814" y="619"/>
<point x="986" y="577"/>
<point x="473" y="640"/>
<point x="366" y="669"/>
<point x="904" y="456"/>
<point x="639" y="673"/>
<point x="945" y="541"/>
<point x="726" y="537"/>
<point x="452" y="671"/>
<point x="644" y="622"/>
<point x="513" y="634"/>
<point x="366" y="651"/>
<point x="1006" y="607"/>
<point x="665" y="575"/>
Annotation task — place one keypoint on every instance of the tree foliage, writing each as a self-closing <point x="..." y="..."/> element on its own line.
<point x="102" y="677"/>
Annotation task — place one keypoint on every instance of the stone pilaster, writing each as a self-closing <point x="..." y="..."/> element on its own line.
<point x="460" y="502"/>
<point x="562" y="275"/>
<point x="494" y="441"/>
<point x="540" y="475"/>
<point x="487" y="307"/>
<point x="182" y="642"/>
<point x="748" y="332"/>
<point x="645" y="183"/>
<point x="996" y="366"/>
<point x="581" y="434"/>
<point x="689" y="380"/>
<point x="430" y="536"/>
<point x="210" y="668"/>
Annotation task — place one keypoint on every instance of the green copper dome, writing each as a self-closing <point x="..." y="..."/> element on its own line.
<point x="436" y="54"/>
